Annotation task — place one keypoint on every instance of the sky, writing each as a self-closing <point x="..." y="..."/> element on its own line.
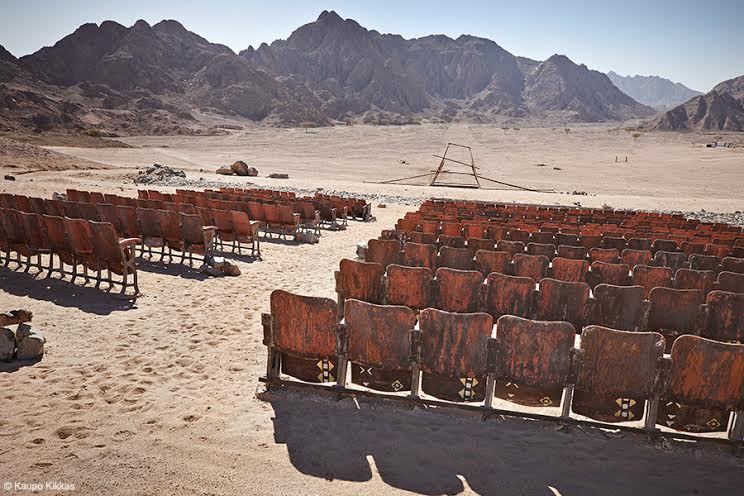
<point x="698" y="43"/>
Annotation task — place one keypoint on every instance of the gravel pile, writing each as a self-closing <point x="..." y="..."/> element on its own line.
<point x="159" y="175"/>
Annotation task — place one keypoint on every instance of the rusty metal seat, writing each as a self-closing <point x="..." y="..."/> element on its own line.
<point x="534" y="360"/>
<point x="607" y="255"/>
<point x="609" y="273"/>
<point x="422" y="238"/>
<point x="384" y="252"/>
<point x="668" y="245"/>
<point x="59" y="243"/>
<point x="673" y="312"/>
<point x="378" y="345"/>
<point x="420" y="255"/>
<point x="544" y="238"/>
<point x="702" y="280"/>
<point x="534" y="266"/>
<point x="150" y="230"/>
<point x="455" y="258"/>
<point x="453" y="354"/>
<point x="360" y="281"/>
<point x="245" y="232"/>
<point x="690" y="248"/>
<point x="572" y="252"/>
<point x="639" y="244"/>
<point x="569" y="270"/>
<point x="512" y="247"/>
<point x="508" y="295"/>
<point x="705" y="262"/>
<point x="301" y="336"/>
<point x="725" y="317"/>
<point x="457" y="290"/>
<point x="631" y="257"/>
<point x="614" y="242"/>
<point x="673" y="260"/>
<point x="619" y="371"/>
<point x="730" y="281"/>
<point x="566" y="239"/>
<point x="80" y="235"/>
<point x="618" y="307"/>
<point x="702" y="402"/>
<point x="487" y="261"/>
<point x="408" y="286"/>
<point x="547" y="250"/>
<point x="652" y="277"/>
<point x="733" y="264"/>
<point x="475" y="244"/>
<point x="717" y="250"/>
<point x="563" y="301"/>
<point x="114" y="255"/>
<point x="196" y="237"/>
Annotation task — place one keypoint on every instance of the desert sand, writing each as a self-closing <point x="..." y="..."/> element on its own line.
<point x="159" y="396"/>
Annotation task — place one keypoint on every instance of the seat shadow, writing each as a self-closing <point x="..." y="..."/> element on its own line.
<point x="10" y="367"/>
<point x="171" y="268"/>
<point x="430" y="452"/>
<point x="64" y="293"/>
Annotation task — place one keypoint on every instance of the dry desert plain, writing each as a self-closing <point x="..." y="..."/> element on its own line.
<point x="158" y="396"/>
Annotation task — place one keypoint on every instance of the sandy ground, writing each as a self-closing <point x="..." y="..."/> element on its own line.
<point x="158" y="397"/>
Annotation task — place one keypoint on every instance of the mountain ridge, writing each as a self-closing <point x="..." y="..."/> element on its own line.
<point x="654" y="91"/>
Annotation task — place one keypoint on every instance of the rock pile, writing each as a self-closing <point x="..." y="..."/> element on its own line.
<point x="26" y="343"/>
<point x="219" y="267"/>
<point x="158" y="174"/>
<point x="239" y="168"/>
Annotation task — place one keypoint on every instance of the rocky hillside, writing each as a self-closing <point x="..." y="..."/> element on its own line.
<point x="164" y="79"/>
<point x="654" y="91"/>
<point x="721" y="109"/>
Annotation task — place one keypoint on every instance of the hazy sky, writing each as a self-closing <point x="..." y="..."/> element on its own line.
<point x="698" y="43"/>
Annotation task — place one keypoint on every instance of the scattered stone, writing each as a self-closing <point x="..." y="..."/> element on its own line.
<point x="252" y="172"/>
<point x="279" y="176"/>
<point x="557" y="168"/>
<point x="307" y="237"/>
<point x="225" y="170"/>
<point x="381" y="205"/>
<point x="230" y="269"/>
<point x="9" y="178"/>
<point x="7" y="344"/>
<point x="29" y="343"/>
<point x="59" y="196"/>
<point x="240" y="168"/>
<point x="15" y="317"/>
<point x="158" y="173"/>
<point x="361" y="250"/>
<point x="211" y="271"/>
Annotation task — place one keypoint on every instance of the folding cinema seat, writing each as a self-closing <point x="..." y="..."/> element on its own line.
<point x="80" y="235"/>
<point x="702" y="280"/>
<point x="170" y="228"/>
<point x="609" y="273"/>
<point x="37" y="205"/>
<point x="497" y="233"/>
<point x="7" y="200"/>
<point x="733" y="264"/>
<point x="149" y="228"/>
<point x="128" y="221"/>
<point x="534" y="266"/>
<point x="15" y="237"/>
<point x="451" y="241"/>
<point x="612" y="242"/>
<point x="475" y="230"/>
<point x="566" y="239"/>
<point x="512" y="247"/>
<point x="114" y="255"/>
<point x="256" y="211"/>
<point x="704" y="262"/>
<point x="360" y="281"/>
<point x="618" y="373"/>
<point x="457" y="290"/>
<point x="420" y="255"/>
<point x="451" y="229"/>
<point x="301" y="336"/>
<point x="737" y="251"/>
<point x="408" y="286"/>
<point x="664" y="245"/>
<point x="508" y="295"/>
<point x="245" y="232"/>
<point x="692" y="248"/>
<point x="378" y="344"/>
<point x="225" y="231"/>
<point x="547" y="250"/>
<point x="566" y="301"/>
<point x="545" y="238"/>
<point x="590" y="241"/>
<point x="534" y="360"/>
<point x="59" y="243"/>
<point x="618" y="307"/>
<point x="631" y="257"/>
<point x="475" y="244"/>
<point x="641" y="244"/>
<point x="384" y="252"/>
<point x="720" y="251"/>
<point x="572" y="252"/>
<point x="453" y="354"/>
<point x="36" y="241"/>
<point x="730" y="281"/>
<point x="71" y="210"/>
<point x="196" y="237"/>
<point x="77" y="196"/>
<point x="725" y="317"/>
<point x="673" y="312"/>
<point x="673" y="260"/>
<point x="519" y="235"/>
<point x="108" y="213"/>
<point x="569" y="270"/>
<point x="651" y="277"/>
<point x="289" y="221"/>
<point x="455" y="258"/>
<point x="273" y="221"/>
<point x="706" y="382"/>
<point x="96" y="197"/>
<point x="487" y="261"/>
<point x="142" y="194"/>
<point x="422" y="238"/>
<point x="429" y="227"/>
<point x="607" y="255"/>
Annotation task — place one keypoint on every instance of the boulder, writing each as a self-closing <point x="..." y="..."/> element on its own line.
<point x="15" y="317"/>
<point x="240" y="168"/>
<point x="230" y="269"/>
<point x="7" y="344"/>
<point x="252" y="171"/>
<point x="225" y="171"/>
<point x="29" y="342"/>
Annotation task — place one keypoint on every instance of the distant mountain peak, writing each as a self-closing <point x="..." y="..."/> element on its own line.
<point x="653" y="91"/>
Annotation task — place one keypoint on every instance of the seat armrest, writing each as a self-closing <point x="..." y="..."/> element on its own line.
<point x="129" y="242"/>
<point x="210" y="228"/>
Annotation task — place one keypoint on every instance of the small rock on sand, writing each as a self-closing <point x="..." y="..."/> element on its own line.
<point x="7" y="344"/>
<point x="30" y="343"/>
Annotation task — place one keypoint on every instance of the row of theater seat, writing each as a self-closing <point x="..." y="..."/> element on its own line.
<point x="614" y="376"/>
<point x="76" y="242"/>
<point x="606" y="265"/>
<point x="671" y="312"/>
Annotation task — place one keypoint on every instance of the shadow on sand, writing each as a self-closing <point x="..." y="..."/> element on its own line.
<point x="432" y="452"/>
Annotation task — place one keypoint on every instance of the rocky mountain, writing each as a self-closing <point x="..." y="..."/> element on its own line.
<point x="354" y="71"/>
<point x="721" y="109"/>
<point x="654" y="91"/>
<point x="164" y="79"/>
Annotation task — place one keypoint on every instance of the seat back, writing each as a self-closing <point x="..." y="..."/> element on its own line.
<point x="733" y="264"/>
<point x="725" y="317"/>
<point x="80" y="235"/>
<point x="420" y="255"/>
<point x="453" y="354"/>
<point x="534" y="266"/>
<point x="673" y="260"/>
<point x="705" y="262"/>
<point x="631" y="257"/>
<point x="674" y="311"/>
<point x="547" y="250"/>
<point x="56" y="234"/>
<point x="609" y="273"/>
<point x="106" y="244"/>
<point x="617" y="374"/>
<point x="702" y="280"/>
<point x="192" y="233"/>
<point x="360" y="280"/>
<point x="509" y="295"/>
<point x="512" y="247"/>
<point x="457" y="290"/>
<point x="650" y="277"/>
<point x="170" y="227"/>
<point x="455" y="258"/>
<point x="570" y="270"/>
<point x="607" y="255"/>
<point x="384" y="251"/>
<point x="572" y="252"/>
<point x="534" y="360"/>
<point x="487" y="261"/>
<point x="149" y="223"/>
<point x="618" y="307"/>
<point x="33" y="229"/>
<point x="378" y="344"/>
<point x="409" y="286"/>
<point x="564" y="301"/>
<point x="730" y="281"/>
